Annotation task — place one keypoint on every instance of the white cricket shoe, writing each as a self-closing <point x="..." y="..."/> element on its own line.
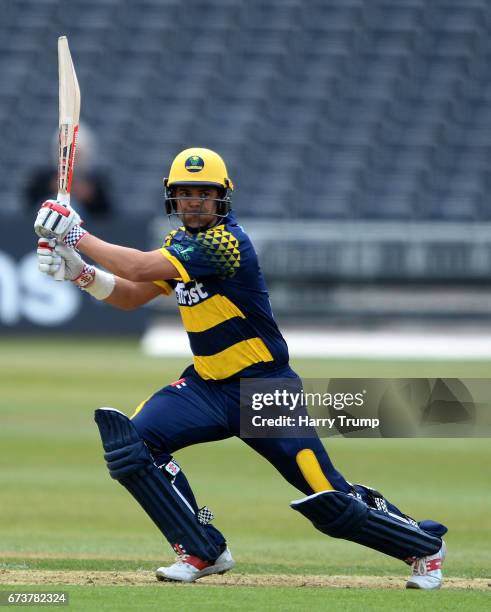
<point x="427" y="571"/>
<point x="188" y="568"/>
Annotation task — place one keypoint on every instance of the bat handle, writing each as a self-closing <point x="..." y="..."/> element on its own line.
<point x="63" y="198"/>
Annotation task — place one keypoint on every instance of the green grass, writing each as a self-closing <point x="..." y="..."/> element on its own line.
<point x="209" y="599"/>
<point x="60" y="510"/>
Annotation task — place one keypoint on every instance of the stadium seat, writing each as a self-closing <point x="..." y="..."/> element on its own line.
<point x="397" y="89"/>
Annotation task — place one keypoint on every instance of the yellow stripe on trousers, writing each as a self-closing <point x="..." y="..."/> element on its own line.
<point x="140" y="406"/>
<point x="312" y="471"/>
<point x="207" y="314"/>
<point x="232" y="360"/>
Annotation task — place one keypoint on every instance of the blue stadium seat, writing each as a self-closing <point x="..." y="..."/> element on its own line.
<point x="393" y="96"/>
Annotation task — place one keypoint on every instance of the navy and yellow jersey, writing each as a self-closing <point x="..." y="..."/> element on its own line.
<point x="224" y="302"/>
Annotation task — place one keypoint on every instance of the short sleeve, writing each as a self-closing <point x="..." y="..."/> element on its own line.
<point x="215" y="252"/>
<point x="166" y="286"/>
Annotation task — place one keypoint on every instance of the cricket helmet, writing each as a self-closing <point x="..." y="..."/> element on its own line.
<point x="197" y="167"/>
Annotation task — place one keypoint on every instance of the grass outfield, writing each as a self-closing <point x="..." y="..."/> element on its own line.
<point x="183" y="598"/>
<point x="61" y="512"/>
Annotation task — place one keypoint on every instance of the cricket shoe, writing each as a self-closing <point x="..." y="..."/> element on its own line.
<point x="188" y="568"/>
<point x="427" y="571"/>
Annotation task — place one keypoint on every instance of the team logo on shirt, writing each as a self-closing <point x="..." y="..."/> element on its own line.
<point x="194" y="163"/>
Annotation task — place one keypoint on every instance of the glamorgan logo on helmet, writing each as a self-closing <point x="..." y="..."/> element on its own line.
<point x="194" y="163"/>
<point x="197" y="167"/>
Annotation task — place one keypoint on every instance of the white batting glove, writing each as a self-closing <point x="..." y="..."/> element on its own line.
<point x="98" y="283"/>
<point x="50" y="255"/>
<point x="54" y="220"/>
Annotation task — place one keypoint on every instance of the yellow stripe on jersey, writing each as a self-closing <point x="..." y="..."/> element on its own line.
<point x="164" y="285"/>
<point x="207" y="314"/>
<point x="312" y="472"/>
<point x="232" y="360"/>
<point x="178" y="265"/>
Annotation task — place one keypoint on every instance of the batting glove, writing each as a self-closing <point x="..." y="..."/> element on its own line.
<point x="54" y="220"/>
<point x="50" y="255"/>
<point x="98" y="283"/>
<point x="74" y="236"/>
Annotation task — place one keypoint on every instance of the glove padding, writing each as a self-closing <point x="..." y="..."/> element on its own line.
<point x="50" y="255"/>
<point x="54" y="220"/>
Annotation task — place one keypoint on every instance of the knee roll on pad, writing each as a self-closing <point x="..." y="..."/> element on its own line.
<point x="126" y="452"/>
<point x="342" y="516"/>
<point x="116" y="429"/>
<point x="129" y="461"/>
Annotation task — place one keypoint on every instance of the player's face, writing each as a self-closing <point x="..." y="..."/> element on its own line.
<point x="197" y="206"/>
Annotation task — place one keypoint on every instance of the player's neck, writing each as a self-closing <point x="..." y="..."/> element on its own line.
<point x="196" y="230"/>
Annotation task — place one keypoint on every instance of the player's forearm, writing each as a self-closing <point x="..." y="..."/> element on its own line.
<point x="131" y="264"/>
<point x="128" y="295"/>
<point x="121" y="261"/>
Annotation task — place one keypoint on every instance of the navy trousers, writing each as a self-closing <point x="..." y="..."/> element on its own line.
<point x="194" y="410"/>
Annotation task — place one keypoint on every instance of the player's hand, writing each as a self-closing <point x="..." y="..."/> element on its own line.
<point x="54" y="220"/>
<point x="50" y="255"/>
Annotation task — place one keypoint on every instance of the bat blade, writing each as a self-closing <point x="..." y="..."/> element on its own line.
<point x="69" y="114"/>
<point x="68" y="121"/>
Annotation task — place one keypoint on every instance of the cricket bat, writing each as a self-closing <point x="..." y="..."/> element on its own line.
<point x="69" y="114"/>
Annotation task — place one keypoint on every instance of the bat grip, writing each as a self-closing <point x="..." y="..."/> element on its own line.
<point x="62" y="198"/>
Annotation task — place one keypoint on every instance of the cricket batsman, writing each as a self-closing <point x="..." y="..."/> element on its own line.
<point x="210" y="264"/>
